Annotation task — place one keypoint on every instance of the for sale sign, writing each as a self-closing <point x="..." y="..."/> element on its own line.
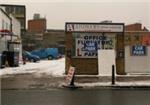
<point x="138" y="50"/>
<point x="70" y="75"/>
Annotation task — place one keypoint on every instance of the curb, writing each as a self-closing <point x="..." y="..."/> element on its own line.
<point x="29" y="81"/>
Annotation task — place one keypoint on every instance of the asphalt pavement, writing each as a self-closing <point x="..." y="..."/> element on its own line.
<point x="76" y="97"/>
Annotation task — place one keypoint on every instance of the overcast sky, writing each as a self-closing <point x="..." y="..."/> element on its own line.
<point x="60" y="11"/>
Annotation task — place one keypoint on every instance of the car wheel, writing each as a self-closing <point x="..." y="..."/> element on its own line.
<point x="49" y="57"/>
<point x="32" y="60"/>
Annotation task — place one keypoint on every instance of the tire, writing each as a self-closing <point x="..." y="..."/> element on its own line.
<point x="32" y="60"/>
<point x="50" y="57"/>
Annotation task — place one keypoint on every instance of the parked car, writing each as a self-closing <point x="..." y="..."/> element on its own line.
<point x="30" y="57"/>
<point x="49" y="53"/>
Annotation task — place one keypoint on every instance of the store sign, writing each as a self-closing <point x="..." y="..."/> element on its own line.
<point x="138" y="50"/>
<point x="88" y="45"/>
<point x="79" y="27"/>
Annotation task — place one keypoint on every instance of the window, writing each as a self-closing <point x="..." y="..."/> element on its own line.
<point x="7" y="26"/>
<point x="19" y="10"/>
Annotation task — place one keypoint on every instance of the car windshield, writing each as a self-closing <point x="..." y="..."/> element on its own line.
<point x="28" y="53"/>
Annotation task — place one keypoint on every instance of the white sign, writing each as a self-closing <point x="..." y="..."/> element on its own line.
<point x="88" y="45"/>
<point x="70" y="75"/>
<point x="74" y="27"/>
<point x="106" y="58"/>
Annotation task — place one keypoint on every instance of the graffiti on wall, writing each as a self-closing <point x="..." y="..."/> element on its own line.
<point x="88" y="45"/>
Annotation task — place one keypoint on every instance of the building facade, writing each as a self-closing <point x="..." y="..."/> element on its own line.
<point x="41" y="37"/>
<point x="10" y="40"/>
<point x="5" y="24"/>
<point x="137" y="49"/>
<point x="89" y="45"/>
<point x="37" y="25"/>
<point x="54" y="38"/>
<point x="19" y="12"/>
<point x="16" y="42"/>
<point x="34" y="35"/>
<point x="32" y="41"/>
<point x="84" y="40"/>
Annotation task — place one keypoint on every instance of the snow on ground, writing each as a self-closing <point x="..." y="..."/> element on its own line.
<point x="57" y="68"/>
<point x="49" y="67"/>
<point x="131" y="83"/>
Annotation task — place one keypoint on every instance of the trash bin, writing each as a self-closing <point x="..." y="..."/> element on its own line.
<point x="16" y="59"/>
<point x="12" y="58"/>
<point x="2" y="61"/>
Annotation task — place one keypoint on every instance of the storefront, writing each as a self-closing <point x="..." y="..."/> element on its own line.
<point x="83" y="40"/>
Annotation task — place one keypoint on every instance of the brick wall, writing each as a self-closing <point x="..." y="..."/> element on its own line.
<point x="134" y="27"/>
<point x="37" y="26"/>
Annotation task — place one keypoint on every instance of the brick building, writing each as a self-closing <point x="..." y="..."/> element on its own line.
<point x="134" y="27"/>
<point x="34" y="35"/>
<point x="38" y="36"/>
<point x="37" y="25"/>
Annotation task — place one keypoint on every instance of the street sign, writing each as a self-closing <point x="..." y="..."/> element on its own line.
<point x="138" y="50"/>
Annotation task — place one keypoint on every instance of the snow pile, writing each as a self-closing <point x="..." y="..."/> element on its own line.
<point x="49" y="67"/>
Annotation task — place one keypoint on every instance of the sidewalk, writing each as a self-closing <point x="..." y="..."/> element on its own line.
<point x="121" y="81"/>
<point x="50" y="74"/>
<point x="30" y="81"/>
